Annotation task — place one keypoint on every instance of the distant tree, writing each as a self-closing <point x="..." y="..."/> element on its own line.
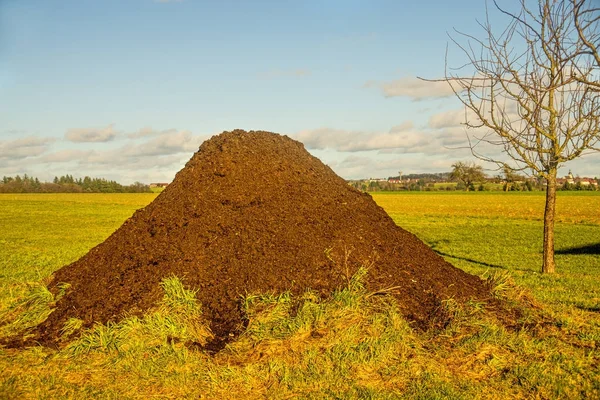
<point x="467" y="173"/>
<point x="510" y="177"/>
<point x="87" y="183"/>
<point x="532" y="93"/>
<point x="373" y="186"/>
<point x="529" y="185"/>
<point x="67" y="184"/>
<point x="137" y="187"/>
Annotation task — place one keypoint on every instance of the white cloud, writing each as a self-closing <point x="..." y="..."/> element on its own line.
<point x="154" y="155"/>
<point x="353" y="161"/>
<point x="403" y="127"/>
<point x="447" y="119"/>
<point x="30" y="146"/>
<point x="148" y="131"/>
<point x="453" y="137"/>
<point x="166" y="149"/>
<point x="63" y="156"/>
<point x="457" y="117"/>
<point x="118" y="161"/>
<point x="354" y="141"/>
<point x="167" y="142"/>
<point x="354" y="167"/>
<point x="145" y="153"/>
<point x="412" y="87"/>
<point x="86" y="135"/>
<point x="143" y="132"/>
<point x="361" y="154"/>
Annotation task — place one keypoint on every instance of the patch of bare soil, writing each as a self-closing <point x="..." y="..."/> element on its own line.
<point x="253" y="212"/>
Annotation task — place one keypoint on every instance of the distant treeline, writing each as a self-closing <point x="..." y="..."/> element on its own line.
<point x="442" y="182"/>
<point x="68" y="184"/>
<point x="430" y="177"/>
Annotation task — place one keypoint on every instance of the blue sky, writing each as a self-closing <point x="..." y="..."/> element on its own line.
<point x="128" y="89"/>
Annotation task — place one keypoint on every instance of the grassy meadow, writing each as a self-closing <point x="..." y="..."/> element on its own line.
<point x="354" y="345"/>
<point x="489" y="232"/>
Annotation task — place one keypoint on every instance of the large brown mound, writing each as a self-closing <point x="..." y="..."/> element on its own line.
<point x="253" y="212"/>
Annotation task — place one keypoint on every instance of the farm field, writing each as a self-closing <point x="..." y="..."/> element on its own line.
<point x="353" y="346"/>
<point x="483" y="232"/>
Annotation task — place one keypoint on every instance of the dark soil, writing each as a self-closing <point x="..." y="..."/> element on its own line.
<point x="253" y="212"/>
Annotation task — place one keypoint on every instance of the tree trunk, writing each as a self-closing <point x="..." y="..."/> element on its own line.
<point x="549" y="267"/>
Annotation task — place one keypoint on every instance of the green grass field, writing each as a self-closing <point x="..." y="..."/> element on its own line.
<point x="352" y="346"/>
<point x="481" y="232"/>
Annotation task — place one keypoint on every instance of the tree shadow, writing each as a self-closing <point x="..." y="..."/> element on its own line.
<point x="593" y="249"/>
<point x="434" y="245"/>
<point x="471" y="260"/>
<point x="590" y="309"/>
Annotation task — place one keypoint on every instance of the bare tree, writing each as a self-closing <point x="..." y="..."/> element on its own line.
<point x="530" y="95"/>
<point x="467" y="173"/>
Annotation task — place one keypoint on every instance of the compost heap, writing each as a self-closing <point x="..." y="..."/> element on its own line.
<point x="253" y="212"/>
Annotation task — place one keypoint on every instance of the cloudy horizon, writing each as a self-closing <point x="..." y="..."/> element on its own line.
<point x="129" y="90"/>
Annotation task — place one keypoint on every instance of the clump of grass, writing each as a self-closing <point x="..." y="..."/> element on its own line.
<point x="451" y="314"/>
<point x="515" y="301"/>
<point x="30" y="310"/>
<point x="354" y="344"/>
<point x="176" y="321"/>
<point x="503" y="287"/>
<point x="281" y="316"/>
<point x="341" y="346"/>
<point x="71" y="327"/>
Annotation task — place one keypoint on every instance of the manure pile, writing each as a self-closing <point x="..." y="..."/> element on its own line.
<point x="253" y="212"/>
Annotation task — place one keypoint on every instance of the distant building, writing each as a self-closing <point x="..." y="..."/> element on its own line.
<point x="159" y="185"/>
<point x="587" y="181"/>
<point x="571" y="180"/>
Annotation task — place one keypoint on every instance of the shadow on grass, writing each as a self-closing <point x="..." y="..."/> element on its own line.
<point x="591" y="309"/>
<point x="441" y="253"/>
<point x="587" y="249"/>
<point x="434" y="245"/>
